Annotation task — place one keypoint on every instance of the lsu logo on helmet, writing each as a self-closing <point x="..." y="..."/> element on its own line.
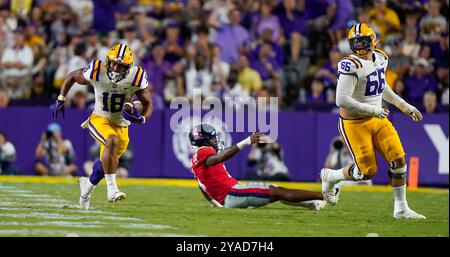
<point x="121" y="55"/>
<point x="362" y="39"/>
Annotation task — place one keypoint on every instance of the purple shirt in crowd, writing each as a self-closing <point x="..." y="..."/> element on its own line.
<point x="260" y="67"/>
<point x="344" y="13"/>
<point x="322" y="98"/>
<point x="291" y="25"/>
<point x="259" y="24"/>
<point x="316" y="8"/>
<point x="104" y="15"/>
<point x="418" y="86"/>
<point x="229" y="38"/>
<point x="156" y="73"/>
<point x="278" y="53"/>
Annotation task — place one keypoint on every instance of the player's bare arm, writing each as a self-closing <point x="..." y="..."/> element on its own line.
<point x="72" y="77"/>
<point x="146" y="99"/>
<point x="229" y="152"/>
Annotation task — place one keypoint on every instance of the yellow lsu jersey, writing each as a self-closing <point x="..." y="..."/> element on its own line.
<point x="370" y="76"/>
<point x="109" y="96"/>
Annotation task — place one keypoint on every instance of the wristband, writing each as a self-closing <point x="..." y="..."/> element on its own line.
<point x="244" y="143"/>
<point x="61" y="98"/>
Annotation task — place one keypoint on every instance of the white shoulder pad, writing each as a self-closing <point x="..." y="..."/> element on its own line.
<point x="348" y="65"/>
<point x="92" y="70"/>
<point x="140" y="78"/>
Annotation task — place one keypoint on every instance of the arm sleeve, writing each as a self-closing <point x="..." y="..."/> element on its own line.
<point x="391" y="97"/>
<point x="345" y="87"/>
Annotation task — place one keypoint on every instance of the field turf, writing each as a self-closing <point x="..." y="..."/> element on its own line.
<point x="36" y="206"/>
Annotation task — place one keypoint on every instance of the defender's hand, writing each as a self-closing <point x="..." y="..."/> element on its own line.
<point x="134" y="116"/>
<point x="412" y="111"/>
<point x="381" y="112"/>
<point x="58" y="106"/>
<point x="257" y="137"/>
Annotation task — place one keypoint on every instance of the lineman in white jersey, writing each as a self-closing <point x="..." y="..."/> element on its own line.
<point x="115" y="81"/>
<point x="363" y="124"/>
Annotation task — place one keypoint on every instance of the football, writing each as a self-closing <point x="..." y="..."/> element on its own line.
<point x="128" y="106"/>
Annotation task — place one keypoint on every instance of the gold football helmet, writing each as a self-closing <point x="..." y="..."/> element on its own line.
<point x="119" y="60"/>
<point x="362" y="39"/>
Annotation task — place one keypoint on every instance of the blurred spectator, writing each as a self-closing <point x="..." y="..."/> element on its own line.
<point x="384" y="18"/>
<point x="54" y="155"/>
<point x="248" y="77"/>
<point x="159" y="68"/>
<point x="64" y="26"/>
<point x="220" y="69"/>
<point x="16" y="63"/>
<point x="439" y="52"/>
<point x="294" y="28"/>
<point x="7" y="155"/>
<point x="221" y="7"/>
<point x="103" y="12"/>
<point x="400" y="89"/>
<point x="93" y="45"/>
<point x="410" y="47"/>
<point x="232" y="38"/>
<point x="328" y="72"/>
<point x="265" y="21"/>
<point x="173" y="43"/>
<point x="420" y="80"/>
<point x="77" y="61"/>
<point x="430" y="102"/>
<point x="268" y="159"/>
<point x="83" y="9"/>
<point x="198" y="77"/>
<point x="268" y="69"/>
<point x="4" y="99"/>
<point x="433" y="22"/>
<point x="123" y="169"/>
<point x="234" y="90"/>
<point x="317" y="93"/>
<point x="338" y="157"/>
<point x="339" y="13"/>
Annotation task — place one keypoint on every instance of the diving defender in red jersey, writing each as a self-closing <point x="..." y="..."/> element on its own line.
<point x="222" y="190"/>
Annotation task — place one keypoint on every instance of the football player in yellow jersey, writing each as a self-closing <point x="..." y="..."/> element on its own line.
<point x="115" y="82"/>
<point x="363" y="122"/>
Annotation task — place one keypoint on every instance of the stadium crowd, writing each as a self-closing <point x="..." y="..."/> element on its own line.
<point x="283" y="48"/>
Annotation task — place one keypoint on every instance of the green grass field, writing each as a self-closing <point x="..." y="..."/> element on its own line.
<point x="47" y="207"/>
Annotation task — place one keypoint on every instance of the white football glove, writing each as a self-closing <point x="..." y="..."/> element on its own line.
<point x="380" y="112"/>
<point x="412" y="111"/>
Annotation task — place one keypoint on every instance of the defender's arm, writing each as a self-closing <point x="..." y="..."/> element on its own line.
<point x="229" y="152"/>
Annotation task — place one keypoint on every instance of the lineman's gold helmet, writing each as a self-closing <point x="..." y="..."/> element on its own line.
<point x="362" y="39"/>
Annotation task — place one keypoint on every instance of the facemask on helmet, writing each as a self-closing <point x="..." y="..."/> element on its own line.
<point x="118" y="72"/>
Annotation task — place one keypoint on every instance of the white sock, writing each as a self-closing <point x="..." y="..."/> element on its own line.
<point x="111" y="183"/>
<point x="337" y="176"/>
<point x="90" y="188"/>
<point x="399" y="197"/>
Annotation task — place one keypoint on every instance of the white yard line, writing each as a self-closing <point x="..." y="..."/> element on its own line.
<point x="11" y="207"/>
<point x="43" y="215"/>
<point x="90" y="224"/>
<point x="46" y="232"/>
<point x="65" y="210"/>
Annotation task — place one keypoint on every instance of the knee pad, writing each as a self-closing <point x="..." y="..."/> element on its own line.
<point x="397" y="173"/>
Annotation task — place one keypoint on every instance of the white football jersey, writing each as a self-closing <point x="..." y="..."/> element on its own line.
<point x="109" y="96"/>
<point x="370" y="76"/>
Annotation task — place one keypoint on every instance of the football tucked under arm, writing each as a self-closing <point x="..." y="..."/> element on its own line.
<point x="133" y="112"/>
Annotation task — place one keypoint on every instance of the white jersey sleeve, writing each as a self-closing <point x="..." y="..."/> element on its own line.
<point x="91" y="71"/>
<point x="348" y="66"/>
<point x="140" y="79"/>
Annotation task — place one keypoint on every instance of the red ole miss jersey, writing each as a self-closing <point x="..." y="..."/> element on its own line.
<point x="214" y="180"/>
